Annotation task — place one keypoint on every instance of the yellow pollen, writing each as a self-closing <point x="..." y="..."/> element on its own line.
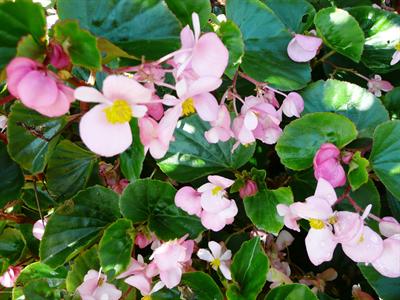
<point x="188" y="107"/>
<point x="100" y="282"/>
<point x="147" y="297"/>
<point x="118" y="112"/>
<point x="215" y="263"/>
<point x="332" y="220"/>
<point x="216" y="190"/>
<point x="361" y="239"/>
<point x="397" y="46"/>
<point x="316" y="224"/>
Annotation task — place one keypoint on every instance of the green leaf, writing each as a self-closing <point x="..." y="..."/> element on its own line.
<point x="392" y="102"/>
<point x="29" y="198"/>
<point x="86" y="261"/>
<point x="27" y="47"/>
<point x="387" y="288"/>
<point x="53" y="277"/>
<point x="350" y="100"/>
<point x="232" y="38"/>
<point x="132" y="159"/>
<point x="302" y="138"/>
<point x="190" y="156"/>
<point x="152" y="201"/>
<point x="183" y="10"/>
<point x="80" y="44"/>
<point x="202" y="286"/>
<point x="11" y="177"/>
<point x="115" y="247"/>
<point x="261" y="208"/>
<point x="140" y="27"/>
<point x="4" y="264"/>
<point x="111" y="51"/>
<point x="77" y="223"/>
<point x="266" y="39"/>
<point x="385" y="155"/>
<point x="358" y="171"/>
<point x="382" y="33"/>
<point x="340" y="32"/>
<point x="40" y="290"/>
<point x="32" y="137"/>
<point x="18" y="19"/>
<point x="69" y="169"/>
<point x="12" y="245"/>
<point x="291" y="292"/>
<point x="297" y="15"/>
<point x="249" y="271"/>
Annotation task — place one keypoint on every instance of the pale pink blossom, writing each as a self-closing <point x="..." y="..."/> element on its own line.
<point x="96" y="287"/>
<point x="293" y="105"/>
<point x="105" y="128"/>
<point x="303" y="48"/>
<point x="249" y="189"/>
<point x="217" y="220"/>
<point x="396" y="55"/>
<point x="327" y="165"/>
<point x="388" y="263"/>
<point x="268" y="95"/>
<point x="8" y="278"/>
<point x="220" y="128"/>
<point x="38" y="229"/>
<point x="389" y="226"/>
<point x="219" y="258"/>
<point x="376" y="85"/>
<point x="38" y="88"/>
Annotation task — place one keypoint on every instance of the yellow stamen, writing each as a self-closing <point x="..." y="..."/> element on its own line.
<point x="100" y="282"/>
<point x="118" y="112"/>
<point x="397" y="46"/>
<point x="147" y="297"/>
<point x="215" y="263"/>
<point x="361" y="239"/>
<point x="316" y="223"/>
<point x="216" y="190"/>
<point x="188" y="107"/>
<point x="332" y="220"/>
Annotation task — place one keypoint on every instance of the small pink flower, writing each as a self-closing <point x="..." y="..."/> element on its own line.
<point x="327" y="165"/>
<point x="38" y="88"/>
<point x="219" y="258"/>
<point x="388" y="263"/>
<point x="10" y="276"/>
<point x="376" y="85"/>
<point x="389" y="226"/>
<point x="96" y="287"/>
<point x="293" y="105"/>
<point x="303" y="48"/>
<point x="220" y="128"/>
<point x="105" y="128"/>
<point x="249" y="189"/>
<point x="58" y="57"/>
<point x="38" y="229"/>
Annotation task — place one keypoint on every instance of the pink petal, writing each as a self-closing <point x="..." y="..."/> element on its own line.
<point x="89" y="94"/>
<point x="171" y="278"/>
<point x="348" y="227"/>
<point x="188" y="199"/>
<point x="206" y="106"/>
<point x="16" y="70"/>
<point x="310" y="43"/>
<point x="250" y="120"/>
<point x="389" y="226"/>
<point x="225" y="271"/>
<point x="187" y="37"/>
<point x="38" y="229"/>
<point x="213" y="204"/>
<point x="213" y="221"/>
<point x="204" y="254"/>
<point x="388" y="263"/>
<point x="325" y="191"/>
<point x="320" y="245"/>
<point x="202" y="85"/>
<point x="124" y="88"/>
<point x="102" y="137"/>
<point x="395" y="58"/>
<point x="215" y="249"/>
<point x="59" y="107"/>
<point x="141" y="282"/>
<point x="212" y="135"/>
<point x="138" y="111"/>
<point x="298" y="54"/>
<point x="313" y="208"/>
<point x="220" y="181"/>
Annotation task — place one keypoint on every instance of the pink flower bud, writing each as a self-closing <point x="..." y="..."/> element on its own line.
<point x="293" y="105"/>
<point x="327" y="165"/>
<point x="303" y="48"/>
<point x="38" y="229"/>
<point x="142" y="240"/>
<point x="389" y="226"/>
<point x="58" y="57"/>
<point x="347" y="156"/>
<point x="10" y="276"/>
<point x="376" y="85"/>
<point x="249" y="189"/>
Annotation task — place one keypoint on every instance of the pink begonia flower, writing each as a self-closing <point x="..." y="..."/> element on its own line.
<point x="389" y="226"/>
<point x="220" y="128"/>
<point x="320" y="245"/>
<point x="396" y="55"/>
<point x="219" y="258"/>
<point x="38" y="229"/>
<point x="156" y="137"/>
<point x="96" y="287"/>
<point x="170" y="259"/>
<point x="268" y="96"/>
<point x="57" y="56"/>
<point x="155" y="110"/>
<point x="376" y="85"/>
<point x="289" y="217"/>
<point x="243" y="135"/>
<point x="38" y="88"/>
<point x="188" y="199"/>
<point x="303" y="48"/>
<point x="388" y="263"/>
<point x="293" y="105"/>
<point x="249" y="189"/>
<point x="8" y="278"/>
<point x="327" y="165"/>
<point x="105" y="128"/>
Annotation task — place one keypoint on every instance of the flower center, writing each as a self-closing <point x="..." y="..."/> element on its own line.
<point x="215" y="263"/>
<point x="316" y="223"/>
<point x="216" y="190"/>
<point x="118" y="112"/>
<point x="188" y="107"/>
<point x="361" y="239"/>
<point x="147" y="297"/>
<point x="397" y="46"/>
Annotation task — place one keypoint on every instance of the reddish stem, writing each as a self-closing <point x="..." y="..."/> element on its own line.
<point x="6" y="99"/>
<point x="3" y="137"/>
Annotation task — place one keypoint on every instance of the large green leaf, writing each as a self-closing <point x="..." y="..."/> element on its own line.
<point x="266" y="39"/>
<point x="358" y="171"/>
<point x="385" y="155"/>
<point x="249" y="271"/>
<point x="152" y="202"/>
<point x="341" y="32"/>
<point x="297" y="15"/>
<point x="183" y="10"/>
<point x="261" y="208"/>
<point x="77" y="223"/>
<point x="382" y="33"/>
<point x="115" y="247"/>
<point x="302" y="138"/>
<point x="40" y="290"/>
<point x="32" y="137"/>
<point x="12" y="244"/>
<point x="350" y="100"/>
<point x="11" y="177"/>
<point x="190" y="156"/>
<point x="202" y="286"/>
<point x="291" y="292"/>
<point x="19" y="19"/>
<point x="69" y="169"/>
<point x="387" y="288"/>
<point x="392" y="102"/>
<point x="140" y="27"/>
